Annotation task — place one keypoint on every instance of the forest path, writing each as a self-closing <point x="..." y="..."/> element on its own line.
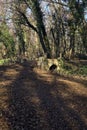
<point x="32" y="99"/>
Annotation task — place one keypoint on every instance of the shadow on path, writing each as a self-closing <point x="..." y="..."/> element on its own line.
<point x="36" y="104"/>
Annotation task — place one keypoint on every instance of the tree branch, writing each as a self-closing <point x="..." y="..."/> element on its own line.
<point x="27" y="21"/>
<point x="55" y="2"/>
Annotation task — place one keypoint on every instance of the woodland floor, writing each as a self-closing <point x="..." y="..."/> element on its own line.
<point x="32" y="99"/>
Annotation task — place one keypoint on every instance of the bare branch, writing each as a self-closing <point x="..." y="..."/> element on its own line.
<point x="27" y="21"/>
<point x="55" y="2"/>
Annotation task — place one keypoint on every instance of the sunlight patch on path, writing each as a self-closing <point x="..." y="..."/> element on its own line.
<point x="75" y="87"/>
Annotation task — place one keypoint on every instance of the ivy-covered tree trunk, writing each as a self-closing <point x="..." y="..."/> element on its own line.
<point x="41" y="27"/>
<point x="56" y="41"/>
<point x="83" y="33"/>
<point x="21" y="42"/>
<point x="72" y="46"/>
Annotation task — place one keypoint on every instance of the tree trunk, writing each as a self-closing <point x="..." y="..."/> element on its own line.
<point x="41" y="27"/>
<point x="72" y="46"/>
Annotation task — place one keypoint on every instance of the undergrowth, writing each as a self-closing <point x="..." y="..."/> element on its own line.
<point x="4" y="61"/>
<point x="69" y="68"/>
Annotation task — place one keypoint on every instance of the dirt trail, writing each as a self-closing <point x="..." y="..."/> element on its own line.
<point x="32" y="99"/>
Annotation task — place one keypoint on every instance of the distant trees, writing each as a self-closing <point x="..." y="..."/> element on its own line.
<point x="7" y="41"/>
<point x="67" y="24"/>
<point x="57" y="29"/>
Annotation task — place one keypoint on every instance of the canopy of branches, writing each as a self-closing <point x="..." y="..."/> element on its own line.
<point x="46" y="27"/>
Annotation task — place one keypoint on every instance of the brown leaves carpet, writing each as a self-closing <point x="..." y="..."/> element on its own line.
<point x="32" y="99"/>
